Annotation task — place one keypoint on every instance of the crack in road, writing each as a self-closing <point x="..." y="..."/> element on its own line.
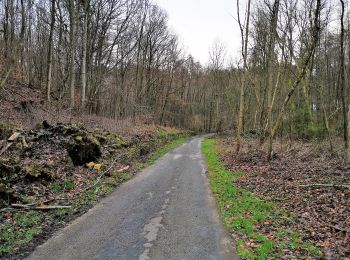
<point x="150" y="230"/>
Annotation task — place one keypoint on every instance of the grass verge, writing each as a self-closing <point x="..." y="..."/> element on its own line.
<point x="165" y="149"/>
<point x="28" y="228"/>
<point x="261" y="230"/>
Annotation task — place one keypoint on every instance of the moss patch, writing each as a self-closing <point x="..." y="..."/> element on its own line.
<point x="12" y="237"/>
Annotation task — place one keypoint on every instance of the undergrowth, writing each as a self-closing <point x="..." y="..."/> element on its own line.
<point x="13" y="237"/>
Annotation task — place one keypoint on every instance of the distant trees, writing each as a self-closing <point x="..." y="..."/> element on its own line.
<point x="284" y="41"/>
<point x="216" y="86"/>
<point x="298" y="63"/>
<point x="303" y="65"/>
<point x="118" y="58"/>
<point x="110" y="57"/>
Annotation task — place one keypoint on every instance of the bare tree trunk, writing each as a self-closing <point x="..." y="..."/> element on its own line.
<point x="346" y="114"/>
<point x="245" y="38"/>
<point x="22" y="34"/>
<point x="72" y="51"/>
<point x="84" y="46"/>
<point x="271" y="72"/>
<point x="348" y="133"/>
<point x="50" y="53"/>
<point x="346" y="109"/>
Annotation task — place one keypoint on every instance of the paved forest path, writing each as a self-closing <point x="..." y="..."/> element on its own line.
<point x="166" y="212"/>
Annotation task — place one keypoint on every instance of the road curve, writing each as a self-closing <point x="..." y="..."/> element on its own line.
<point x="166" y="212"/>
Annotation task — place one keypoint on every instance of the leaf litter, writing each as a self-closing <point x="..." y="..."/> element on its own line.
<point x="311" y="185"/>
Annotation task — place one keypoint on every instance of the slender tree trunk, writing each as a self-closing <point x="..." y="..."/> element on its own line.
<point x="83" y="62"/>
<point x="245" y="38"/>
<point x="72" y="51"/>
<point x="342" y="82"/>
<point x="348" y="134"/>
<point x="345" y="108"/>
<point x="22" y="34"/>
<point x="271" y="73"/>
<point x="50" y="52"/>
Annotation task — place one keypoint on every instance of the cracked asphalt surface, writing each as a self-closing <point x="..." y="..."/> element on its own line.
<point x="166" y="212"/>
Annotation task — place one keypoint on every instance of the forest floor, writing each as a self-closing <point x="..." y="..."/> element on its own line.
<point x="297" y="205"/>
<point x="54" y="171"/>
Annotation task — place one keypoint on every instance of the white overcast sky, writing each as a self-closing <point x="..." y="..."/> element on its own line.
<point x="199" y="23"/>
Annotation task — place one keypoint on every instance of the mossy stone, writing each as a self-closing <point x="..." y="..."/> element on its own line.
<point x="6" y="195"/>
<point x="118" y="142"/>
<point x="78" y="138"/>
<point x="9" y="167"/>
<point x="35" y="171"/>
<point x="5" y="130"/>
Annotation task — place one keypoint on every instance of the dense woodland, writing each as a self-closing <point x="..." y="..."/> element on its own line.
<point x="118" y="58"/>
<point x="92" y="91"/>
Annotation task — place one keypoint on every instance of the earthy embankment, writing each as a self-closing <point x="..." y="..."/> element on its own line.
<point x="52" y="174"/>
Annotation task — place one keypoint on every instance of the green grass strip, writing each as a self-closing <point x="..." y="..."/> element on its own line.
<point x="165" y="149"/>
<point x="243" y="212"/>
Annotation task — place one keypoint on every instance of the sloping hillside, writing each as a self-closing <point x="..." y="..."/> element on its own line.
<point x="54" y="172"/>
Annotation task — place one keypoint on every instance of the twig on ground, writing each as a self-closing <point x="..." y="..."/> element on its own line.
<point x="44" y="202"/>
<point x="99" y="178"/>
<point x="325" y="185"/>
<point x="22" y="206"/>
<point x="6" y="209"/>
<point x="10" y="142"/>
<point x="340" y="229"/>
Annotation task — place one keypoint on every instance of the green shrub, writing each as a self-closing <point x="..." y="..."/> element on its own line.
<point x="306" y="128"/>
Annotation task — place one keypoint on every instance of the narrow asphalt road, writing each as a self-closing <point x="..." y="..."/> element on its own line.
<point x="166" y="212"/>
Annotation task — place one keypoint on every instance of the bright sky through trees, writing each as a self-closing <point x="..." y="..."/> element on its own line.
<point x="201" y="22"/>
